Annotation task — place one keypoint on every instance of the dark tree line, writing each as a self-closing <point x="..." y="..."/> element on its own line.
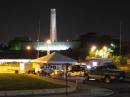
<point x="85" y="43"/>
<point x="92" y="38"/>
<point x="3" y="47"/>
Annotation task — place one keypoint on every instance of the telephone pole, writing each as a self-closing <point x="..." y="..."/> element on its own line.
<point x="120" y="38"/>
<point x="38" y="38"/>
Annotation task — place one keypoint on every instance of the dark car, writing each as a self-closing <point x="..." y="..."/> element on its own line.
<point x="107" y="73"/>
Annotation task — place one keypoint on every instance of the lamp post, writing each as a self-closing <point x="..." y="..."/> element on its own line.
<point x="28" y="48"/>
<point x="48" y="43"/>
<point x="93" y="48"/>
<point x="66" y="76"/>
<point x="104" y="52"/>
<point x="93" y="51"/>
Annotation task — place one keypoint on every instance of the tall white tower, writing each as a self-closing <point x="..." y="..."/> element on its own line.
<point x="53" y="33"/>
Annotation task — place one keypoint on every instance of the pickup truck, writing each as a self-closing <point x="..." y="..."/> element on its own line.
<point x="106" y="73"/>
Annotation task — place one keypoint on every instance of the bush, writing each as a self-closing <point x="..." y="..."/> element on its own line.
<point x="120" y="60"/>
<point x="16" y="71"/>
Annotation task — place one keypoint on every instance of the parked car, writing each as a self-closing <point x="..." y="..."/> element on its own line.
<point x="76" y="70"/>
<point x="107" y="73"/>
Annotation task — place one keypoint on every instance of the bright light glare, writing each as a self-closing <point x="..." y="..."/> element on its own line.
<point x="91" y="79"/>
<point x="21" y="66"/>
<point x="88" y="66"/>
<point x="28" y="47"/>
<point x="105" y="48"/>
<point x="48" y="41"/>
<point x="14" y="60"/>
<point x="56" y="47"/>
<point x="53" y="46"/>
<point x="95" y="64"/>
<point x="93" y="48"/>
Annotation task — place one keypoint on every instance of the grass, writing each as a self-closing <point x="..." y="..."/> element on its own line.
<point x="23" y="82"/>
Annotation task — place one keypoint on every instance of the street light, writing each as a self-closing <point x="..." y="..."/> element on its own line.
<point x="93" y="51"/>
<point x="93" y="48"/>
<point x="105" y="52"/>
<point x="28" y="48"/>
<point x="48" y="43"/>
<point x="105" y="48"/>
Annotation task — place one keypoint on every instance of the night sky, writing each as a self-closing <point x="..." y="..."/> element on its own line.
<point x="74" y="17"/>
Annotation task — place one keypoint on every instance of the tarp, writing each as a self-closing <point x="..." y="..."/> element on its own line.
<point x="55" y="58"/>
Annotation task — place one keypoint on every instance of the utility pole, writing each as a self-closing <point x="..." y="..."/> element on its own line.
<point x="38" y="38"/>
<point x="120" y="39"/>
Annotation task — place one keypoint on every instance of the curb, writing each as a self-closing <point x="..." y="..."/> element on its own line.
<point x="55" y="81"/>
<point x="127" y="79"/>
<point x="37" y="92"/>
<point x="102" y="92"/>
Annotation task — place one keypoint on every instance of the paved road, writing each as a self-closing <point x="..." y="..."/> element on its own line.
<point x="121" y="89"/>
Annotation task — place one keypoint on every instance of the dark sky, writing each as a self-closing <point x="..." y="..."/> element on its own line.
<point x="74" y="17"/>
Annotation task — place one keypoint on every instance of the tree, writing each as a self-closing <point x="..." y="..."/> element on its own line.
<point x="15" y="43"/>
<point x="3" y="47"/>
<point x="92" y="38"/>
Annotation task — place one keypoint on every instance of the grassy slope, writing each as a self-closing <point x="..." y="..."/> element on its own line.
<point x="19" y="82"/>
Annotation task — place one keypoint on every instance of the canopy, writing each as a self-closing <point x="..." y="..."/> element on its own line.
<point x="55" y="58"/>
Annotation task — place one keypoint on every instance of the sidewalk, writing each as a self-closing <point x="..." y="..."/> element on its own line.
<point x="85" y="90"/>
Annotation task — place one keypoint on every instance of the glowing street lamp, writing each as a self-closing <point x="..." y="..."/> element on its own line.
<point x="105" y="48"/>
<point x="28" y="48"/>
<point x="92" y="51"/>
<point x="104" y="52"/>
<point x="93" y="48"/>
<point x="48" y="43"/>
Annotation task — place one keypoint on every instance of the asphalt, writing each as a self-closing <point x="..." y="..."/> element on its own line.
<point x="76" y="88"/>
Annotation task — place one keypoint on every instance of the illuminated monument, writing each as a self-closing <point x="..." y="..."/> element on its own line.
<point x="53" y="33"/>
<point x="55" y="45"/>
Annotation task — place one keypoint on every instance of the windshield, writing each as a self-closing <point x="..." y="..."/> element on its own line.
<point x="110" y="65"/>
